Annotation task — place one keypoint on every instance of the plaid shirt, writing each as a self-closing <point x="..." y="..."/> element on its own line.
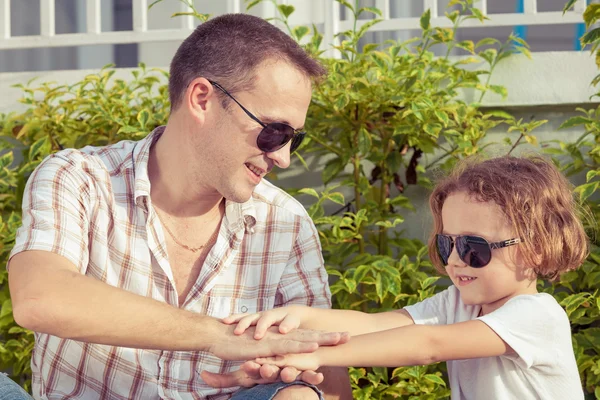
<point x="93" y="207"/>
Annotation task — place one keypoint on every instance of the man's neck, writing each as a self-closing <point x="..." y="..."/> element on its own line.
<point x="170" y="188"/>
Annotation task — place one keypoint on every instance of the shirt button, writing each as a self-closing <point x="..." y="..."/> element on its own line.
<point x="244" y="309"/>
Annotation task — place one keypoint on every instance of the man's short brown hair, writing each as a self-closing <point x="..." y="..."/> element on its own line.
<point x="228" y="48"/>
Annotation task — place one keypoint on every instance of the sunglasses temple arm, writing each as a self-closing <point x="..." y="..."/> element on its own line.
<point x="248" y="113"/>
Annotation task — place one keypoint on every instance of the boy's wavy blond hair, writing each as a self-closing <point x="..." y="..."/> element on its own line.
<point x="537" y="201"/>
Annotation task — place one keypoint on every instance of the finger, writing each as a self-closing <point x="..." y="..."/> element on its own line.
<point x="252" y="369"/>
<point x="344" y="337"/>
<point x="222" y="380"/>
<point x="312" y="377"/>
<point x="233" y="318"/>
<point x="269" y="372"/>
<point x="245" y="323"/>
<point x="322" y="338"/>
<point x="269" y="360"/>
<point x="289" y="374"/>
<point x="264" y="323"/>
<point x="289" y="324"/>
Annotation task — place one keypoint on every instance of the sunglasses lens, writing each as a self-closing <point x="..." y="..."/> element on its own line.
<point x="444" y="247"/>
<point x="297" y="141"/>
<point x="475" y="251"/>
<point x="274" y="136"/>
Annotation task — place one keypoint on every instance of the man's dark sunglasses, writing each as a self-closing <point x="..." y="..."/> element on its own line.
<point x="273" y="135"/>
<point x="474" y="251"/>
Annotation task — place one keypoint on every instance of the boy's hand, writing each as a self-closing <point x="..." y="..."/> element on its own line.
<point x="302" y="362"/>
<point x="288" y="319"/>
<point x="245" y="347"/>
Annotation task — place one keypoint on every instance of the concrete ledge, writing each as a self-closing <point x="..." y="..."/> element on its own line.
<point x="549" y="79"/>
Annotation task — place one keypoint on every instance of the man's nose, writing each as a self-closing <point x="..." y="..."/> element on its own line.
<point x="281" y="157"/>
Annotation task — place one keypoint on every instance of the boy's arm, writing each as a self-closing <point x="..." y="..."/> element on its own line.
<point x="293" y="317"/>
<point x="355" y="322"/>
<point x="410" y="345"/>
<point x="417" y="345"/>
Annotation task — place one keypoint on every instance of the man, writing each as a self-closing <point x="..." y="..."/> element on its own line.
<point x="129" y="254"/>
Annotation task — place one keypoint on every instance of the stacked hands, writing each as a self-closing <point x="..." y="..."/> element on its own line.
<point x="282" y="352"/>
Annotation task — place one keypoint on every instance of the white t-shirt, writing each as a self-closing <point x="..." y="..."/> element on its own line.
<point x="538" y="330"/>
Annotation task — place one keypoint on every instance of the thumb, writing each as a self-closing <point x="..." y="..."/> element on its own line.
<point x="219" y="380"/>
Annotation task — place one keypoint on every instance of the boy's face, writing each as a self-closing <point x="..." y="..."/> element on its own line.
<point x="504" y="277"/>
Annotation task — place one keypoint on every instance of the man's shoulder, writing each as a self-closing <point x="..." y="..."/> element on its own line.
<point x="269" y="195"/>
<point x="92" y="160"/>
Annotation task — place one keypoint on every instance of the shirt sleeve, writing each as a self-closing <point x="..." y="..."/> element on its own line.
<point x="433" y="310"/>
<point x="532" y="325"/>
<point x="304" y="280"/>
<point x="54" y="211"/>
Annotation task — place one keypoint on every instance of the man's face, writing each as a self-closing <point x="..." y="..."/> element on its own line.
<point x="232" y="162"/>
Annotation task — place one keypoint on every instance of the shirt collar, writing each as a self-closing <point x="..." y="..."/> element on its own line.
<point x="239" y="215"/>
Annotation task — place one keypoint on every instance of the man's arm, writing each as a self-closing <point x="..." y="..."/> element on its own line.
<point x="49" y="295"/>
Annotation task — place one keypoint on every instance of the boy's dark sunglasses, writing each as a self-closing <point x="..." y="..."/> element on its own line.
<point x="273" y="135"/>
<point x="474" y="251"/>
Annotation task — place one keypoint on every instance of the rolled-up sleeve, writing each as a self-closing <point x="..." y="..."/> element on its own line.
<point x="304" y="280"/>
<point x="54" y="211"/>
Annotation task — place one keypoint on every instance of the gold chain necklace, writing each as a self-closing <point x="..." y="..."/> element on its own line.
<point x="192" y="249"/>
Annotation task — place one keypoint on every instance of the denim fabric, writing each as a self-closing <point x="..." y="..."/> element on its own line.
<point x="9" y="390"/>
<point x="267" y="392"/>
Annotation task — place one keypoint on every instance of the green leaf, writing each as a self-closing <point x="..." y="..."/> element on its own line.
<point x="341" y="102"/>
<point x="501" y="90"/>
<point x="591" y="37"/>
<point x="425" y="20"/>
<point x="569" y="5"/>
<point x="286" y="10"/>
<point x="442" y="116"/>
<point x="337" y="198"/>
<point x="143" y="117"/>
<point x="467" y="45"/>
<point x="300" y="31"/>
<point x="587" y="189"/>
<point x="429" y="281"/>
<point x="332" y="169"/>
<point x="591" y="14"/>
<point x="487" y="41"/>
<point x="500" y="114"/>
<point x="373" y="10"/>
<point x="346" y="4"/>
<point x="6" y="159"/>
<point x="575" y="121"/>
<point x="40" y="147"/>
<point x="364" y="141"/>
<point x="309" y="191"/>
<point x="6" y="308"/>
<point x="252" y="3"/>
<point x="489" y="55"/>
<point x="591" y="175"/>
<point x="434" y="379"/>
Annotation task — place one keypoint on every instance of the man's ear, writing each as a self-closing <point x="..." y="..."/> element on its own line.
<point x="198" y="98"/>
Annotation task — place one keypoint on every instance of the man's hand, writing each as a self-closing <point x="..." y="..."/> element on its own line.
<point x="245" y="347"/>
<point x="252" y="373"/>
<point x="288" y="319"/>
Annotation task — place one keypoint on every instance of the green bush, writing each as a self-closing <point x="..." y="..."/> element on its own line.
<point x="387" y="115"/>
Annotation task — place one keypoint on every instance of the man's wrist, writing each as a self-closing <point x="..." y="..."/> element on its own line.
<point x="212" y="334"/>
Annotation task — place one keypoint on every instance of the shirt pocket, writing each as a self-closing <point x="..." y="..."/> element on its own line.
<point x="221" y="307"/>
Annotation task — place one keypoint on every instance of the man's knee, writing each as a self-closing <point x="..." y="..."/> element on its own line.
<point x="296" y="392"/>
